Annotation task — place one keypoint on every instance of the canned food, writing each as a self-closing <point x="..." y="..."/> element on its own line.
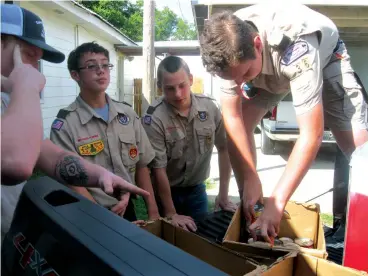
<point x="286" y="240"/>
<point x="277" y="242"/>
<point x="258" y="209"/>
<point x="304" y="242"/>
<point x="292" y="246"/>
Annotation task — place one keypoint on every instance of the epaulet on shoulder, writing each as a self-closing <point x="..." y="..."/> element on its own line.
<point x="62" y="114"/>
<point x="122" y="102"/>
<point x="152" y="108"/>
<point x="204" y="96"/>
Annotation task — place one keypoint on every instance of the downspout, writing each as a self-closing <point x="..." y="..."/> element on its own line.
<point x="76" y="44"/>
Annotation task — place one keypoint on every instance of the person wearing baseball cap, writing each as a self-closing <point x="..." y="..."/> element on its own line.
<point x="28" y="27"/>
<point x="23" y="148"/>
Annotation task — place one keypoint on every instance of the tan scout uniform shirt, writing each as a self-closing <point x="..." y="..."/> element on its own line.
<point x="279" y="26"/>
<point x="184" y="144"/>
<point x="118" y="145"/>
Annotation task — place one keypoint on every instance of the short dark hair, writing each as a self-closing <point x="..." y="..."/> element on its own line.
<point x="171" y="64"/>
<point x="77" y="53"/>
<point x="226" y="40"/>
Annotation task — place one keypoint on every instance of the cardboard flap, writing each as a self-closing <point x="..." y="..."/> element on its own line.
<point x="284" y="268"/>
<point x="234" y="233"/>
<point x="305" y="265"/>
<point x="223" y="259"/>
<point x="325" y="267"/>
<point x="304" y="222"/>
<point x="168" y="233"/>
<point x="154" y="227"/>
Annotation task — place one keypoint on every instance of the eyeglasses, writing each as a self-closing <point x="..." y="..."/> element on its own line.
<point x="96" y="67"/>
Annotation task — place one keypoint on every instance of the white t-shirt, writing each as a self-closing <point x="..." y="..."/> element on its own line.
<point x="9" y="194"/>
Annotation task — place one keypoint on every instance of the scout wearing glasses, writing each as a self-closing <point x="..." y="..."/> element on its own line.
<point x="183" y="129"/>
<point x="277" y="49"/>
<point x="104" y="131"/>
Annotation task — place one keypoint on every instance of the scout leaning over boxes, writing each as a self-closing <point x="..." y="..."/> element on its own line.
<point x="261" y="53"/>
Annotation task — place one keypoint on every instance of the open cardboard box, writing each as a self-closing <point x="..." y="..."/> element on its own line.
<point x="224" y="259"/>
<point x="304" y="222"/>
<point x="306" y="265"/>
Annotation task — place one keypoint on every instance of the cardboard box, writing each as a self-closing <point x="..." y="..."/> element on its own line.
<point x="215" y="255"/>
<point x="305" y="222"/>
<point x="306" y="265"/>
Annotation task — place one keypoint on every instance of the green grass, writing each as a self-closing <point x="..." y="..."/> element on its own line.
<point x="36" y="174"/>
<point x="327" y="219"/>
<point x="140" y="208"/>
<point x="210" y="184"/>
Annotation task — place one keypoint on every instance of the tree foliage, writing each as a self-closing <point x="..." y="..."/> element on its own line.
<point x="128" y="18"/>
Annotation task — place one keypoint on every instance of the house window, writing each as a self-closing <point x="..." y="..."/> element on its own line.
<point x="40" y="67"/>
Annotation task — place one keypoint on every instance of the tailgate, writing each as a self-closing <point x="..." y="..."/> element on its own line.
<point x="285" y="116"/>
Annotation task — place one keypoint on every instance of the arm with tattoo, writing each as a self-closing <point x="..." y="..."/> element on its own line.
<point x="66" y="167"/>
<point x="69" y="169"/>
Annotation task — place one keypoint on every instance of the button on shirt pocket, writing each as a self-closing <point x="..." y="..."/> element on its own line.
<point x="129" y="149"/>
<point x="175" y="144"/>
<point x="205" y="139"/>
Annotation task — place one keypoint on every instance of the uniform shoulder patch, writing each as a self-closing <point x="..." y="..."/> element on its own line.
<point x="62" y="114"/>
<point x="147" y="119"/>
<point x="57" y="124"/>
<point x="294" y="52"/>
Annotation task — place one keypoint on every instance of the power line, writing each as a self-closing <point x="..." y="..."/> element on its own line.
<point x="182" y="16"/>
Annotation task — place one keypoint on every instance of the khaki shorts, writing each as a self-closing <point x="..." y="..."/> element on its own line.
<point x="343" y="101"/>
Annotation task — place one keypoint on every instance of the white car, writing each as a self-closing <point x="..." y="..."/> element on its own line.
<point x="280" y="125"/>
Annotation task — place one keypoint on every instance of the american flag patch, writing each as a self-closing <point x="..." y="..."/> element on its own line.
<point x="57" y="124"/>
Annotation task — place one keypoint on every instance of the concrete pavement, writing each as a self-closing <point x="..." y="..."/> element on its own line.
<point x="270" y="168"/>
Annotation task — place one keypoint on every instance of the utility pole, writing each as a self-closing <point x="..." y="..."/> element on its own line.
<point x="148" y="53"/>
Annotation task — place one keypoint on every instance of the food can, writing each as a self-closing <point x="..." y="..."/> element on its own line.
<point x="277" y="242"/>
<point x="304" y="242"/>
<point x="258" y="209"/>
<point x="286" y="240"/>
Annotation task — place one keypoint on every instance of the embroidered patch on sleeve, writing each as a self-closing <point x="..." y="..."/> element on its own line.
<point x="294" y="52"/>
<point x="147" y="119"/>
<point x="57" y="124"/>
<point x="299" y="68"/>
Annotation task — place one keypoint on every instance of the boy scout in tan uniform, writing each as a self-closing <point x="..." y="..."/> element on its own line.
<point x="183" y="129"/>
<point x="117" y="142"/>
<point x="261" y="53"/>
<point x="188" y="142"/>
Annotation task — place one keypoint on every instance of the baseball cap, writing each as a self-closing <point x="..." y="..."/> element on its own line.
<point x="27" y="26"/>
